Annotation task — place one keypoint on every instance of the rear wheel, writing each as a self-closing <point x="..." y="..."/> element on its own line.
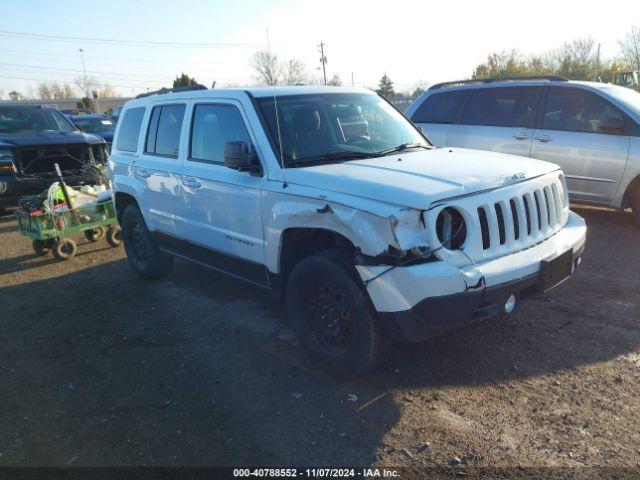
<point x="114" y="236"/>
<point x="94" y="234"/>
<point x="142" y="251"/>
<point x="64" y="249"/>
<point x="332" y="314"/>
<point x="42" y="247"/>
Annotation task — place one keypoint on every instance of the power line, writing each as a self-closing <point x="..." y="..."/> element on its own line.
<point x="140" y="87"/>
<point x="102" y="73"/>
<point x="118" y="59"/>
<point x="115" y="41"/>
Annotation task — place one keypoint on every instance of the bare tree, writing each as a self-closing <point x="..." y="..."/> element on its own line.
<point x="54" y="91"/>
<point x="15" y="95"/>
<point x="107" y="91"/>
<point x="267" y="67"/>
<point x="630" y="47"/>
<point x="335" y="81"/>
<point x="576" y="60"/>
<point x="86" y="85"/>
<point x="295" y="72"/>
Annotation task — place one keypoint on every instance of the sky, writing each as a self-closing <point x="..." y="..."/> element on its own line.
<point x="414" y="42"/>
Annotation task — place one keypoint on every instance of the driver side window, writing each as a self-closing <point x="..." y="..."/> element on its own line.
<point x="575" y="110"/>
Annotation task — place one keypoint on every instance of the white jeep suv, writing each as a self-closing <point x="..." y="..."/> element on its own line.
<point x="330" y="197"/>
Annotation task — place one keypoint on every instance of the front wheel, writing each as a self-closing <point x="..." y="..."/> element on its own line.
<point x="332" y="315"/>
<point x="142" y="251"/>
<point x="635" y="206"/>
<point x="64" y="249"/>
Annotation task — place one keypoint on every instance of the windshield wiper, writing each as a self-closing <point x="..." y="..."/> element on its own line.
<point x="402" y="147"/>
<point x="333" y="157"/>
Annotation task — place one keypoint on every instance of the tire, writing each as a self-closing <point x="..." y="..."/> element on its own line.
<point x="635" y="206"/>
<point x="142" y="251"/>
<point x="325" y="287"/>
<point x="64" y="249"/>
<point x="42" y="247"/>
<point x="114" y="236"/>
<point x="95" y="234"/>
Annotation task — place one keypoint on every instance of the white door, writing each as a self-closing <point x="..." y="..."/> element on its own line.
<point x="158" y="169"/>
<point x="221" y="206"/>
<point x="587" y="136"/>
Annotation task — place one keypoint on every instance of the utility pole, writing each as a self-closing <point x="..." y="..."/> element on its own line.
<point x="84" y="70"/>
<point x="323" y="61"/>
<point x="352" y="79"/>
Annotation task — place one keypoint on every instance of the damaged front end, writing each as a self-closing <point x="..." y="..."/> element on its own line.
<point x="37" y="162"/>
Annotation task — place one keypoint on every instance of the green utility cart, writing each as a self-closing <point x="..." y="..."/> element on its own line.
<point x="50" y="231"/>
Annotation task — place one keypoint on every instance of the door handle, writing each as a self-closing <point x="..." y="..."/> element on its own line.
<point x="191" y="183"/>
<point x="521" y="136"/>
<point x="544" y="138"/>
<point x="143" y="173"/>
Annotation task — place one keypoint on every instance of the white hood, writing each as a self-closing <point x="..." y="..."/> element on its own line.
<point x="418" y="178"/>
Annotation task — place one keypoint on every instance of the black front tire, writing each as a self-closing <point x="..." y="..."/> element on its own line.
<point x="142" y="251"/>
<point x="635" y="206"/>
<point x="332" y="314"/>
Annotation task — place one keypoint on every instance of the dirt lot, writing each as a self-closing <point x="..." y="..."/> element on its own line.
<point x="99" y="368"/>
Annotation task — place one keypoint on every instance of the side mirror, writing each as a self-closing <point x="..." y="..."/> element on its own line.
<point x="612" y="125"/>
<point x="242" y="157"/>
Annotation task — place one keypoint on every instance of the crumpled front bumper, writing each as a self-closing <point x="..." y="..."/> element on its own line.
<point x="419" y="301"/>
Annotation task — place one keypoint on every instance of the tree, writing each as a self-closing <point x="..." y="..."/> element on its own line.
<point x="15" y="95"/>
<point x="87" y="103"/>
<point x="184" y="80"/>
<point x="86" y="85"/>
<point x="630" y="47"/>
<point x="576" y="60"/>
<point x="385" y="87"/>
<point x="267" y="67"/>
<point x="335" y="80"/>
<point x="501" y="64"/>
<point x="107" y="91"/>
<point x="295" y="72"/>
<point x="54" y="91"/>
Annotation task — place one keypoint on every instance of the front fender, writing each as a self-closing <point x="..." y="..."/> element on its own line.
<point x="373" y="234"/>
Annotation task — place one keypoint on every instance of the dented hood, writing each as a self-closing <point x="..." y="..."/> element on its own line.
<point x="418" y="178"/>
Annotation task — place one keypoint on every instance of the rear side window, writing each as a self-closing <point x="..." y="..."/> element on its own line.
<point x="163" y="136"/>
<point x="213" y="127"/>
<point x="575" y="110"/>
<point x="440" y="107"/>
<point x="501" y="107"/>
<point x="130" y="129"/>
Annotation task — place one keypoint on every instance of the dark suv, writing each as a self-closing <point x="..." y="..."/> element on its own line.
<point x="32" y="139"/>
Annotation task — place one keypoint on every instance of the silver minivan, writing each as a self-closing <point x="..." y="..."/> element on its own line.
<point x="592" y="130"/>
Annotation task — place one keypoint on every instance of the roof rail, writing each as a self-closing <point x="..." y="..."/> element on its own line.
<point x="549" y="78"/>
<point x="183" y="88"/>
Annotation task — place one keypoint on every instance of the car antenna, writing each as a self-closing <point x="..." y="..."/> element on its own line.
<point x="275" y="108"/>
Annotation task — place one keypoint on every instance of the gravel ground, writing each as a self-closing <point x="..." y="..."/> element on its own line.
<point x="98" y="368"/>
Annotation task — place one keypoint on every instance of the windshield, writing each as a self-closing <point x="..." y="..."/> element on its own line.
<point x="336" y="127"/>
<point x="19" y="119"/>
<point x="94" y="125"/>
<point x="627" y="97"/>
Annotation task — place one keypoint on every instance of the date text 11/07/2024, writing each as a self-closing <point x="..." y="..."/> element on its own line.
<point x="316" y="473"/>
